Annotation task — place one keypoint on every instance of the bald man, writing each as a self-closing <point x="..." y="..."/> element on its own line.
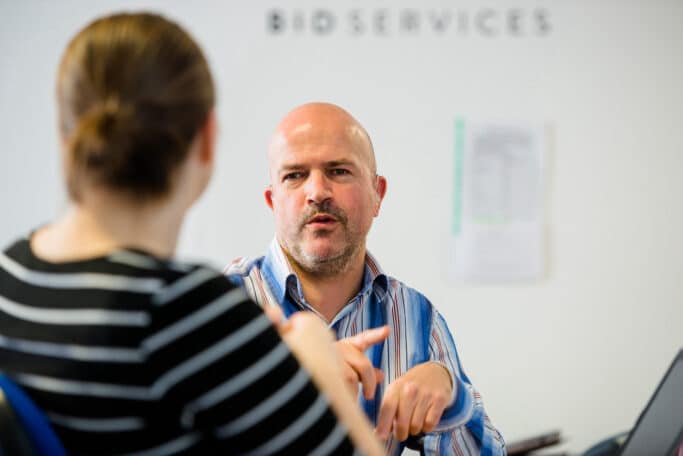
<point x="324" y="193"/>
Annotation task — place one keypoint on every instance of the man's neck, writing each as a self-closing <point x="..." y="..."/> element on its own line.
<point x="329" y="294"/>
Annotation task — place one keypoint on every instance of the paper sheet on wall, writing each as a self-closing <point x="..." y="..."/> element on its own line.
<point x="498" y="214"/>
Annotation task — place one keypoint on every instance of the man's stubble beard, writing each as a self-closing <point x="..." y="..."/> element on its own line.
<point x="333" y="263"/>
<point x="327" y="265"/>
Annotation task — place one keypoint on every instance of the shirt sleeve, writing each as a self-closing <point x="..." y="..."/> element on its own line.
<point x="464" y="424"/>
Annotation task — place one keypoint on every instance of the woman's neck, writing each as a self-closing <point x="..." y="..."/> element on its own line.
<point x="104" y="224"/>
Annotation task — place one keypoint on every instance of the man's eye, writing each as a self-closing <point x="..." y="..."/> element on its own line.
<point x="339" y="172"/>
<point x="292" y="176"/>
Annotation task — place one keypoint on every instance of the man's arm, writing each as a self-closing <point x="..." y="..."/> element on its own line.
<point x="464" y="419"/>
<point x="436" y="398"/>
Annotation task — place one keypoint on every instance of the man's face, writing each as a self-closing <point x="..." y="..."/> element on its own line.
<point x="324" y="194"/>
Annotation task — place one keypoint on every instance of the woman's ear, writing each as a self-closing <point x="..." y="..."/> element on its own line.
<point x="208" y="135"/>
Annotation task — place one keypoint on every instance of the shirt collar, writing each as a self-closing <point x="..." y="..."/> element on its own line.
<point x="278" y="271"/>
<point x="280" y="274"/>
<point x="374" y="277"/>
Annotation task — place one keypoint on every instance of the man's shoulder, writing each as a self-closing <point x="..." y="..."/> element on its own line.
<point x="243" y="266"/>
<point x="395" y="285"/>
<point x="250" y="274"/>
<point x="391" y="284"/>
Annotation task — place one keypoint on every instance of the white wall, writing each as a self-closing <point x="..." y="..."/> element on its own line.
<point x="581" y="350"/>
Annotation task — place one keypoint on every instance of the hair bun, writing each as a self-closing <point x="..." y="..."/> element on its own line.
<point x="110" y="114"/>
<point x="100" y="133"/>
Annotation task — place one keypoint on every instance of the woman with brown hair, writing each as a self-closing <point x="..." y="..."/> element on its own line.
<point x="126" y="350"/>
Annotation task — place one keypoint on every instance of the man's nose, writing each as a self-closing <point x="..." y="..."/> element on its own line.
<point x="318" y="188"/>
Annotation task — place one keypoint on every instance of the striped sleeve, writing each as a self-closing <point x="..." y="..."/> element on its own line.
<point x="464" y="426"/>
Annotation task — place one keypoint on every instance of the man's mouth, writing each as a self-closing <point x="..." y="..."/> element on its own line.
<point x="321" y="219"/>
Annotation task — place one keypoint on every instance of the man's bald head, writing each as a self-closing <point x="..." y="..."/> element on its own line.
<point x="323" y="123"/>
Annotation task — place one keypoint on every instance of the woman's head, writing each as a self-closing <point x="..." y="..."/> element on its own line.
<point x="133" y="91"/>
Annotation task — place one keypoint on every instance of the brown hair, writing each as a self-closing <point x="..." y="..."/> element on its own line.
<point x="133" y="90"/>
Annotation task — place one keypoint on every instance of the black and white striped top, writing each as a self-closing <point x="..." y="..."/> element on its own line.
<point x="129" y="354"/>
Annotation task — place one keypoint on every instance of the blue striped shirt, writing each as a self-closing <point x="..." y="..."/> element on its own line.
<point x="418" y="334"/>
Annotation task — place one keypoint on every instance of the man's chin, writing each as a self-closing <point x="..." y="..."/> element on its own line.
<point x="322" y="251"/>
<point x="321" y="256"/>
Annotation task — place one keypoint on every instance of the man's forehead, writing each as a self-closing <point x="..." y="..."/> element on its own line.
<point x="292" y="154"/>
<point x="320" y="129"/>
<point x="309" y="142"/>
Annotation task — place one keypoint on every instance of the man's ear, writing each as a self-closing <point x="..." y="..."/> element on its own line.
<point x="209" y="132"/>
<point x="268" y="195"/>
<point x="381" y="189"/>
